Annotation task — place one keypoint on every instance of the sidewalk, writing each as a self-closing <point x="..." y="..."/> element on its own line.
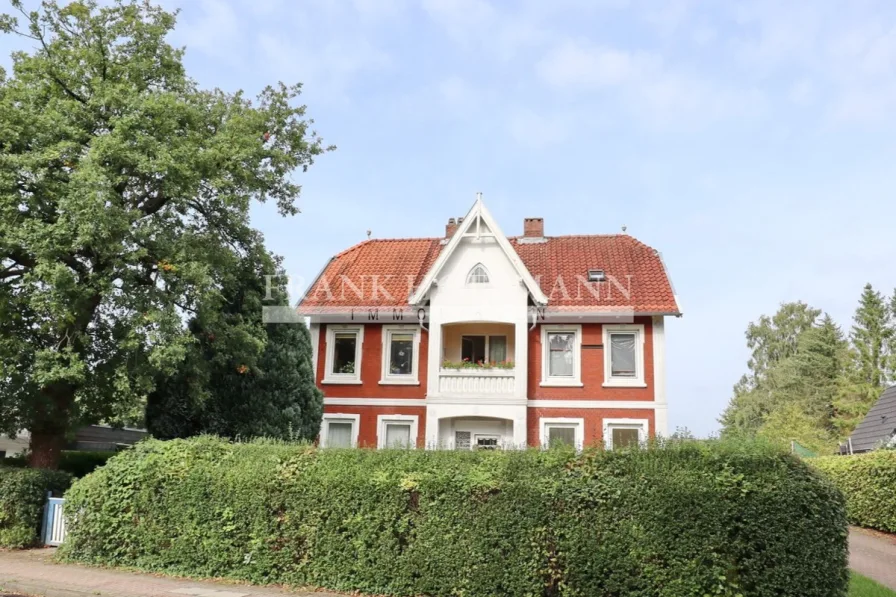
<point x="35" y="573"/>
<point x="873" y="554"/>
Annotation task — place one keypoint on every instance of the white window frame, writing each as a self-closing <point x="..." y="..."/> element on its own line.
<point x="474" y="440"/>
<point x="547" y="380"/>
<point x="355" y="420"/>
<point x="488" y="275"/>
<point x="343" y="378"/>
<point x="383" y="420"/>
<point x="386" y="377"/>
<point x="624" y="382"/>
<point x="578" y="424"/>
<point x="610" y="424"/>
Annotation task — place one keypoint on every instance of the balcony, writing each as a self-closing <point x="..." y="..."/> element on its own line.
<point x="477" y="361"/>
<point x="470" y="382"/>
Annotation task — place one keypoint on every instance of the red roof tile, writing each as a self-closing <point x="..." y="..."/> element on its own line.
<point x="384" y="272"/>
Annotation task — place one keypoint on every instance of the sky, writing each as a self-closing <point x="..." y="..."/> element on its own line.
<point x="752" y="143"/>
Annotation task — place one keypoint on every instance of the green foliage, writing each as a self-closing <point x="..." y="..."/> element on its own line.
<point x="872" y="336"/>
<point x="688" y="518"/>
<point x="241" y="378"/>
<point x="77" y="463"/>
<point x="869" y="483"/>
<point x="125" y="192"/>
<point x="23" y="493"/>
<point x="806" y="382"/>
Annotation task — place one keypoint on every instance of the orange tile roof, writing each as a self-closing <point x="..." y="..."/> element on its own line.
<point x="384" y="273"/>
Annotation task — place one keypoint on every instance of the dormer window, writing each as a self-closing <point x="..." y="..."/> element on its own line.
<point x="596" y="275"/>
<point x="478" y="275"/>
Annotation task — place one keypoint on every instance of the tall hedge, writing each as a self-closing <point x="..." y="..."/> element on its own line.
<point x="23" y="493"/>
<point x="681" y="520"/>
<point x="869" y="483"/>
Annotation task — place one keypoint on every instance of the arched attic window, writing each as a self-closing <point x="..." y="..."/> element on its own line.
<point x="478" y="275"/>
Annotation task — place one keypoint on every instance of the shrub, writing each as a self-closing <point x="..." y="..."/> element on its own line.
<point x="869" y="483"/>
<point x="75" y="462"/>
<point x="691" y="518"/>
<point x="23" y="493"/>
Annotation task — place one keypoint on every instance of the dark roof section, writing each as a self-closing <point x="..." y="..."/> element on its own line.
<point x="879" y="424"/>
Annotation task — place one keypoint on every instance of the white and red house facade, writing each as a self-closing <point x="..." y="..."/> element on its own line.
<point x="569" y="331"/>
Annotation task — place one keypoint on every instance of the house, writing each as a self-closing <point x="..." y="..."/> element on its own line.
<point x="90" y="438"/>
<point x="477" y="340"/>
<point x="878" y="428"/>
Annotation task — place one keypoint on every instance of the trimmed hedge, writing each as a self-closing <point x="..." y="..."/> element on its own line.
<point x="869" y="483"/>
<point x="75" y="462"/>
<point x="23" y="493"/>
<point x="687" y="519"/>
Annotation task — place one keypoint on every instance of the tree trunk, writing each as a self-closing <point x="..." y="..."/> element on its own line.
<point x="46" y="448"/>
<point x="50" y="425"/>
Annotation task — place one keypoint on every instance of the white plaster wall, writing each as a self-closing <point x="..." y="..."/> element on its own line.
<point x="506" y="420"/>
<point x="502" y="300"/>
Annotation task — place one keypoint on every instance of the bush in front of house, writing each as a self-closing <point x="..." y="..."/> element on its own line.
<point x="689" y="518"/>
<point x="23" y="493"/>
<point x="869" y="483"/>
<point x="75" y="462"/>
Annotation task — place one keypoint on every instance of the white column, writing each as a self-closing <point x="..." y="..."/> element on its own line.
<point x="314" y="330"/>
<point x="521" y="357"/>
<point x="661" y="420"/>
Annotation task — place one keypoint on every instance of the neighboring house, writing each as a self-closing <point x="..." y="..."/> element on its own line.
<point x="878" y="428"/>
<point x="89" y="438"/>
<point x="571" y="329"/>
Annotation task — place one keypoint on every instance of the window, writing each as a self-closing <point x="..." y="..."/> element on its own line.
<point x="624" y="355"/>
<point x="397" y="431"/>
<point x="478" y="275"/>
<point x="497" y="348"/>
<point x="339" y="431"/>
<point x="562" y="356"/>
<point x="560" y="351"/>
<point x="562" y="431"/>
<point x="483" y="348"/>
<point x="400" y="354"/>
<point x="462" y="440"/>
<point x="343" y="360"/>
<point x="345" y="346"/>
<point x="487" y="442"/>
<point x="472" y="348"/>
<point x="624" y="433"/>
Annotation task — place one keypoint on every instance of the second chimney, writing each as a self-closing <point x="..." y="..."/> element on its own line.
<point x="533" y="227"/>
<point x="450" y="227"/>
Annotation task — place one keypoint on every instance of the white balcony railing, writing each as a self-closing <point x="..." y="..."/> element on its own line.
<point x="469" y="382"/>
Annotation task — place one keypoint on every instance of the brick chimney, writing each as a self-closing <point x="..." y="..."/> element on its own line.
<point x="533" y="227"/>
<point x="450" y="227"/>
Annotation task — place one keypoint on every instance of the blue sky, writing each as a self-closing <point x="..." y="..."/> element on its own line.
<point x="751" y="142"/>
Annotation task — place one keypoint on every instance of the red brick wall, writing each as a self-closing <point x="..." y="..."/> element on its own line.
<point x="372" y="369"/>
<point x="592" y="368"/>
<point x="594" y="420"/>
<point x="368" y="423"/>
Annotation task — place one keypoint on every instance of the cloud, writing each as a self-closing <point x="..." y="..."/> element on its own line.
<point x="329" y="68"/>
<point x="580" y="65"/>
<point x="655" y="93"/>
<point x="476" y="25"/>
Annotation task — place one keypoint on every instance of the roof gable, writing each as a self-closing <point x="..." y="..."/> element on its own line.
<point x="477" y="223"/>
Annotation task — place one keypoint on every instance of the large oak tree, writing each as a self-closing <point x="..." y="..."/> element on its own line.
<point x="124" y="198"/>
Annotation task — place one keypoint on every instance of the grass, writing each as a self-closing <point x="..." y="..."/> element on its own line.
<point x="860" y="586"/>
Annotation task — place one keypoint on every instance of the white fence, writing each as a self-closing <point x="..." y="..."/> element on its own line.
<point x="53" y="532"/>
